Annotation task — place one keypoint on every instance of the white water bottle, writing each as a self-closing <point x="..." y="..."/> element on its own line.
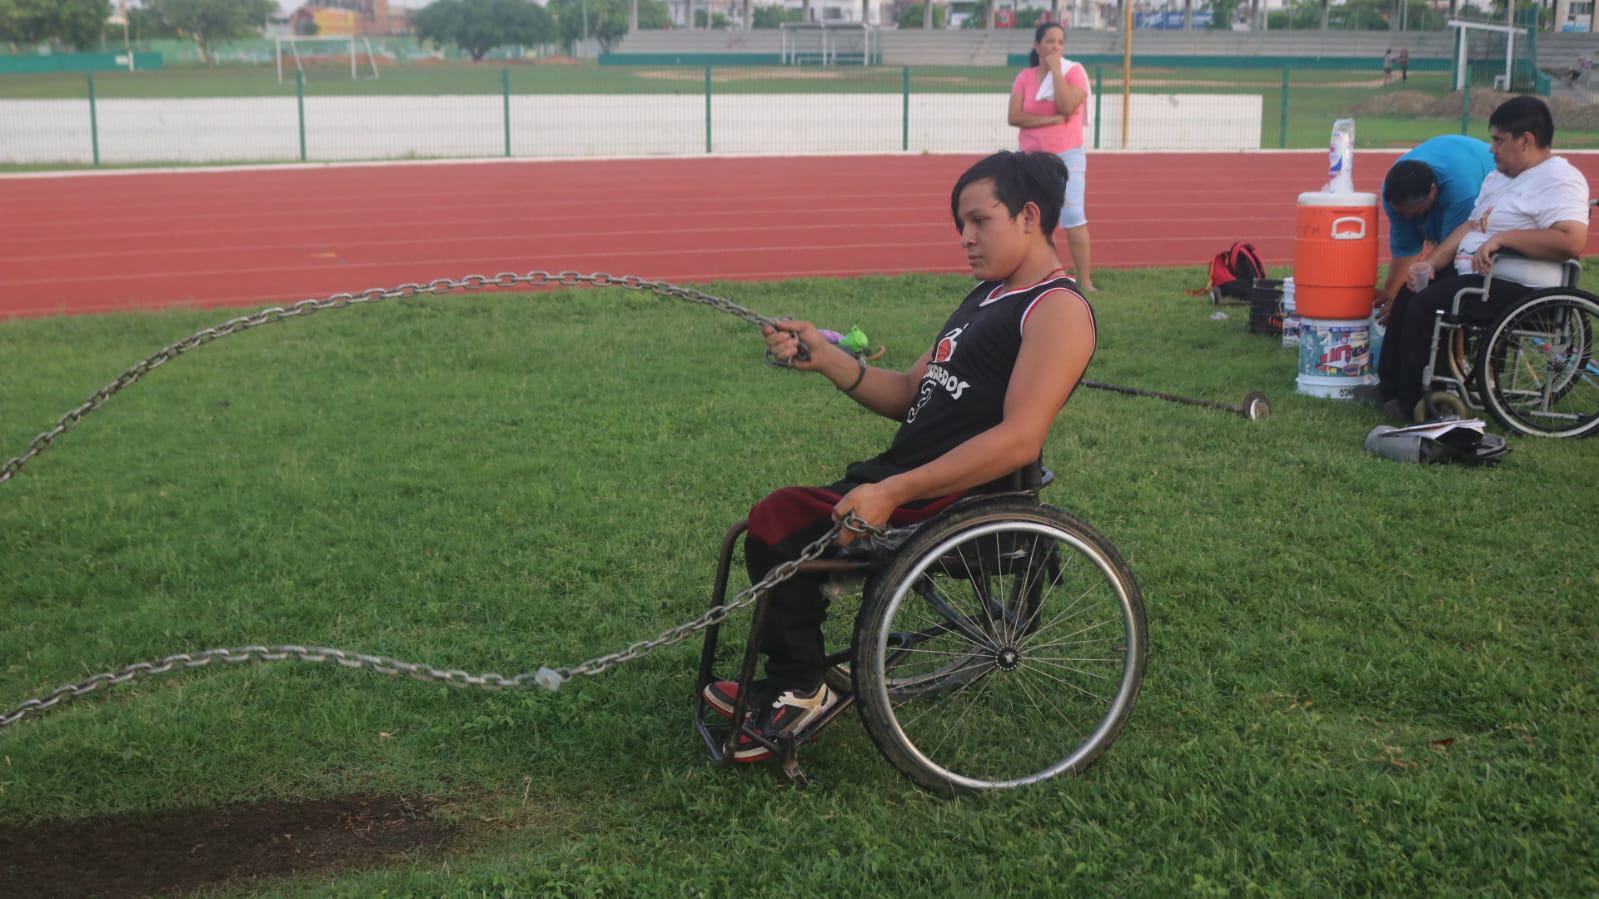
<point x="1290" y="315"/>
<point x="1341" y="158"/>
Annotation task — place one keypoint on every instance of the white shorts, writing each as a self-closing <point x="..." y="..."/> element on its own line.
<point x="1073" y="215"/>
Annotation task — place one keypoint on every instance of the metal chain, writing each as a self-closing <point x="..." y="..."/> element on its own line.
<point x="533" y="279"/>
<point x="548" y="678"/>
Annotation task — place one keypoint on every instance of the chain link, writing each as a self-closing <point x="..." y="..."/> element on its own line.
<point x="548" y="678"/>
<point x="533" y="279"/>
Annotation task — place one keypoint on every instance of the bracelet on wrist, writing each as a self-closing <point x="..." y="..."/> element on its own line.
<point x="858" y="378"/>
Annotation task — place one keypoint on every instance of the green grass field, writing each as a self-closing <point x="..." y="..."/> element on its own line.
<point x="1365" y="677"/>
<point x="1316" y="96"/>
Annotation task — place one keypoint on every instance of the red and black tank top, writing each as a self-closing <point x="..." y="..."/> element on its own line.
<point x="962" y="394"/>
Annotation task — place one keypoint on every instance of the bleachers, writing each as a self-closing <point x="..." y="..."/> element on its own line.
<point x="1560" y="52"/>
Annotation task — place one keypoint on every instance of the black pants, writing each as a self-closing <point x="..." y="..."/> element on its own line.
<point x="1409" y="338"/>
<point x="1388" y="362"/>
<point x="781" y="526"/>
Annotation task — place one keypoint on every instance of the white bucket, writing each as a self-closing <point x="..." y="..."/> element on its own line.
<point x="1328" y="388"/>
<point x="1334" y="356"/>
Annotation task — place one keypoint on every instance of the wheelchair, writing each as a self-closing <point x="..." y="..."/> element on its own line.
<point x="998" y="644"/>
<point x="1532" y="367"/>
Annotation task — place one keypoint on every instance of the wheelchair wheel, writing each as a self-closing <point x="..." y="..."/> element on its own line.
<point x="1538" y="367"/>
<point x="1002" y="645"/>
<point x="1440" y="403"/>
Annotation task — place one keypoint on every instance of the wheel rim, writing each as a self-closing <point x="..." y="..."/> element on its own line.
<point x="1009" y="655"/>
<point x="1542" y="377"/>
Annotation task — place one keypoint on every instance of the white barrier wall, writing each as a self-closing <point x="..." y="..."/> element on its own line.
<point x="339" y="128"/>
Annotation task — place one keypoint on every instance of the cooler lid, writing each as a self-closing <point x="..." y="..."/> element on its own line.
<point x="1317" y="198"/>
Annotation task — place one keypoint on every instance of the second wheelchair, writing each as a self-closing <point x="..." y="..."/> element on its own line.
<point x="1532" y="366"/>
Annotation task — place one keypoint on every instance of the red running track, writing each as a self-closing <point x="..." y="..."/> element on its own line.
<point x="236" y="238"/>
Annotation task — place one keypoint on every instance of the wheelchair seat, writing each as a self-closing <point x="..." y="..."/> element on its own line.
<point x="1534" y="274"/>
<point x="1027" y="481"/>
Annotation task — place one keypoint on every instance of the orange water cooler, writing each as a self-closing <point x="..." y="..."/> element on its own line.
<point x="1335" y="272"/>
<point x="1335" y="255"/>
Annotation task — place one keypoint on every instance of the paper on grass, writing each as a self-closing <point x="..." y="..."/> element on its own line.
<point x="1436" y="429"/>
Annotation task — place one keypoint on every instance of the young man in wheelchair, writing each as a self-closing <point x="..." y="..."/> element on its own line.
<point x="1534" y="205"/>
<point x="974" y="408"/>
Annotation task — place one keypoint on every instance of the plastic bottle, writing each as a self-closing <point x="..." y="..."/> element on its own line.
<point x="1290" y="316"/>
<point x="1341" y="158"/>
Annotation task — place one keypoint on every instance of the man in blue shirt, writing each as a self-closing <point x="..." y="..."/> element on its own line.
<point x="1427" y="194"/>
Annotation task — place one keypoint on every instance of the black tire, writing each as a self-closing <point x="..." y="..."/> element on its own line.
<point x="1538" y="370"/>
<point x="1009" y="626"/>
<point x="1441" y="402"/>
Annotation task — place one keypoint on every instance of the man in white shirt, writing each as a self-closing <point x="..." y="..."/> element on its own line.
<point x="1535" y="204"/>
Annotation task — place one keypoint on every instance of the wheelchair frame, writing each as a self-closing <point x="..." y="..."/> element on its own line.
<point x="1471" y="362"/>
<point x="1016" y="501"/>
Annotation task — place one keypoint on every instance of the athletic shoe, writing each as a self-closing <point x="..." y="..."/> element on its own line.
<point x="1398" y="413"/>
<point x="793" y="711"/>
<point x="721" y="695"/>
<point x="787" y="713"/>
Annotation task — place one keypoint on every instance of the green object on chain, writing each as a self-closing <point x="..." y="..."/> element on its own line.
<point x="855" y="341"/>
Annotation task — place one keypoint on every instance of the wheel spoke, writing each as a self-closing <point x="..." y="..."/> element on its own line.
<point x="1058" y="619"/>
<point x="1041" y="676"/>
<point x="1089" y="693"/>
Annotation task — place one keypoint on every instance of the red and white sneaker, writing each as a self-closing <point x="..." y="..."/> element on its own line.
<point x="788" y="712"/>
<point x="721" y="695"/>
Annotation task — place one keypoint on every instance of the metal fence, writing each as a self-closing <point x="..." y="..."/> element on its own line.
<point x="669" y="111"/>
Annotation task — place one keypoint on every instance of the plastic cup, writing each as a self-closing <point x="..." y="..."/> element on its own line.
<point x="1420" y="276"/>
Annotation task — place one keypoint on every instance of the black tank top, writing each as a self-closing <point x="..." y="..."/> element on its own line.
<point x="962" y="393"/>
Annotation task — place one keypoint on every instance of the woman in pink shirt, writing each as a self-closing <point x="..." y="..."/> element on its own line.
<point x="1054" y="124"/>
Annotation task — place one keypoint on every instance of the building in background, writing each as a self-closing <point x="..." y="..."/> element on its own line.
<point x="1576" y="15"/>
<point x="335" y="18"/>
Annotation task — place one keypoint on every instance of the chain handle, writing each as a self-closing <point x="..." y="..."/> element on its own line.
<point x="533" y="279"/>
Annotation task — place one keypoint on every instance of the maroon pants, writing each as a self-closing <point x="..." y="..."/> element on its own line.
<point x="781" y="526"/>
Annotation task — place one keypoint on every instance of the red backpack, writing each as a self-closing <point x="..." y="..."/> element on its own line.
<point x="1233" y="272"/>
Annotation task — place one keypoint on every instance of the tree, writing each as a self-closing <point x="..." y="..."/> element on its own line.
<point x="1221" y="14"/>
<point x="208" y="21"/>
<point x="145" y="24"/>
<point x="916" y="16"/>
<point x="74" y="23"/>
<point x="607" y="19"/>
<point x="774" y="16"/>
<point x="478" y="26"/>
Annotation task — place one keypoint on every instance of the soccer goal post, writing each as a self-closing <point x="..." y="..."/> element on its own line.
<point x="348" y="42"/>
<point x="1490" y="41"/>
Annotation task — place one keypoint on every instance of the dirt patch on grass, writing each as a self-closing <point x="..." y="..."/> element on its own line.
<point x="175" y="852"/>
<point x="1569" y="114"/>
